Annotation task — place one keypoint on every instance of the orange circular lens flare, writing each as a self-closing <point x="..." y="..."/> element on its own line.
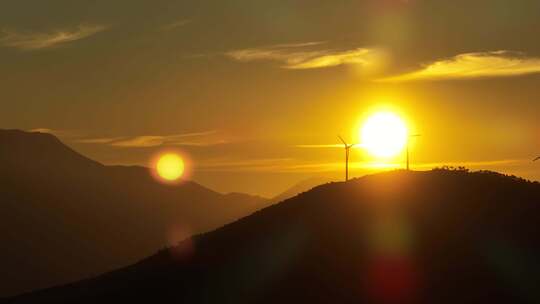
<point x="170" y="167"/>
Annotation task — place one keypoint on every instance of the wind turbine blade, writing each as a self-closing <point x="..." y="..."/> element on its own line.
<point x="342" y="140"/>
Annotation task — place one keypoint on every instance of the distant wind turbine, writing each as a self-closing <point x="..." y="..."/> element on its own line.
<point x="408" y="139"/>
<point x="538" y="158"/>
<point x="347" y="150"/>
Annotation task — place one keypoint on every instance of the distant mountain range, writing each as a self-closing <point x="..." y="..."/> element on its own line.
<point x="65" y="217"/>
<point x="400" y="237"/>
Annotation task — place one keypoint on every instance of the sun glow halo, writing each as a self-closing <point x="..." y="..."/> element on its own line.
<point x="384" y="134"/>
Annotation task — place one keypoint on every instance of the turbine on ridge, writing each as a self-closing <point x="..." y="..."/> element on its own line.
<point x="347" y="150"/>
<point x="408" y="139"/>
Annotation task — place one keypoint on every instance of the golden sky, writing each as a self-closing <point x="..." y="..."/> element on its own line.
<point x="248" y="89"/>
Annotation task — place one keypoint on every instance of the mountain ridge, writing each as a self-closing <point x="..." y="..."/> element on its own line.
<point x="396" y="237"/>
<point x="86" y="215"/>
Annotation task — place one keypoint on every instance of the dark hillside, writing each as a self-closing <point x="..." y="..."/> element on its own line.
<point x="65" y="217"/>
<point x="399" y="237"/>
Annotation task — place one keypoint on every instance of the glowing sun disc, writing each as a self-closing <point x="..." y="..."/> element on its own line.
<point x="384" y="134"/>
<point x="170" y="167"/>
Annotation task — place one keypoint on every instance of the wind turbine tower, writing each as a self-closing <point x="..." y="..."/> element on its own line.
<point x="347" y="152"/>
<point x="408" y="139"/>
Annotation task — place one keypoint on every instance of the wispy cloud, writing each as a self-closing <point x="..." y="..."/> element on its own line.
<point x="327" y="146"/>
<point x="265" y="164"/>
<point x="42" y="130"/>
<point x="474" y="65"/>
<point x="175" y="24"/>
<point x="101" y="140"/>
<point x="29" y="40"/>
<point x="320" y="146"/>
<point x="55" y="132"/>
<point x="290" y="165"/>
<point x="303" y="56"/>
<point x="285" y="165"/>
<point x="200" y="139"/>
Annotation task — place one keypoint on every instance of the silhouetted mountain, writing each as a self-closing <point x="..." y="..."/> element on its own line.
<point x="65" y="217"/>
<point x="298" y="188"/>
<point x="399" y="237"/>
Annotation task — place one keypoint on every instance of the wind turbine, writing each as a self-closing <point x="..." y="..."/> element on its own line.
<point x="408" y="139"/>
<point x="538" y="158"/>
<point x="347" y="150"/>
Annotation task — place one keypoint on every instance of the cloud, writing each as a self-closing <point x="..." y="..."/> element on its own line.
<point x="140" y="142"/>
<point x="286" y="165"/>
<point x="25" y="40"/>
<point x="474" y="65"/>
<point x="327" y="146"/>
<point x="245" y="165"/>
<point x="42" y="130"/>
<point x="320" y="146"/>
<point x="101" y="140"/>
<point x="300" y="56"/>
<point x="198" y="139"/>
<point x="176" y="24"/>
<point x="57" y="133"/>
<point x="290" y="165"/>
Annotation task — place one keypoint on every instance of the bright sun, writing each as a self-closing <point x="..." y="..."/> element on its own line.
<point x="170" y="167"/>
<point x="384" y="134"/>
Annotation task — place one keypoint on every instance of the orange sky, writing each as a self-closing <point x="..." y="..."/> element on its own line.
<point x="239" y="85"/>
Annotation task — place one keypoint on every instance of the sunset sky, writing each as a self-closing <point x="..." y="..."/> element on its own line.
<point x="253" y="92"/>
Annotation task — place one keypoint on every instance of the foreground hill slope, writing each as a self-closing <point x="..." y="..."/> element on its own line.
<point x="65" y="217"/>
<point x="399" y="237"/>
<point x="300" y="187"/>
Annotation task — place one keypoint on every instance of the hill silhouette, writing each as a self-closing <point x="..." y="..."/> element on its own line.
<point x="400" y="237"/>
<point x="299" y="187"/>
<point x="65" y="217"/>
